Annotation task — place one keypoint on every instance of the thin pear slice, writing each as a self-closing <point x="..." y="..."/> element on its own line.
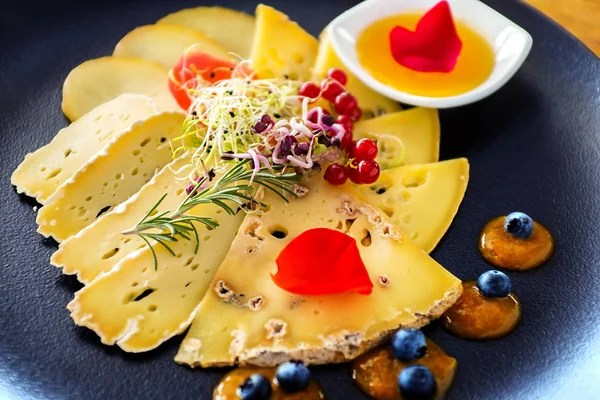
<point x="117" y="172"/>
<point x="417" y="128"/>
<point x="137" y="307"/>
<point x="165" y="43"/>
<point x="100" y="246"/>
<point x="232" y="29"/>
<point x="246" y="319"/>
<point x="43" y="171"/>
<point x="281" y="48"/>
<point x="100" y="80"/>
<point x="422" y="199"/>
<point x="371" y="103"/>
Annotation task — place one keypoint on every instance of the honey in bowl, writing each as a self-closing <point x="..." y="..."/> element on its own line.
<point x="474" y="65"/>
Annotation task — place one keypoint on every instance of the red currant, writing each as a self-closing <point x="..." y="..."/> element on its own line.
<point x="353" y="172"/>
<point x="365" y="149"/>
<point x="310" y="90"/>
<point x="331" y="89"/>
<point x="345" y="122"/>
<point x="356" y="114"/>
<point x="336" y="174"/>
<point x="368" y="171"/>
<point x="346" y="143"/>
<point x="338" y="75"/>
<point x="346" y="104"/>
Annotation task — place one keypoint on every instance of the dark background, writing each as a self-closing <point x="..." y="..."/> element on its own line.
<point x="533" y="146"/>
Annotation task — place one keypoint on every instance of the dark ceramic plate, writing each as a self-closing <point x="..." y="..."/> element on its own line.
<point x="533" y="146"/>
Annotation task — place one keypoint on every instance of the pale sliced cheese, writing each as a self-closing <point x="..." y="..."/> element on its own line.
<point x="44" y="170"/>
<point x="370" y="102"/>
<point x="165" y="43"/>
<point x="246" y="319"/>
<point x="100" y="246"/>
<point x="417" y="128"/>
<point x="118" y="171"/>
<point x="137" y="307"/>
<point x="234" y="30"/>
<point x="281" y="48"/>
<point x="97" y="81"/>
<point x="421" y="200"/>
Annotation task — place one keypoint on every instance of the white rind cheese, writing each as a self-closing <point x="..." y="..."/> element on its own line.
<point x="44" y="170"/>
<point x="111" y="177"/>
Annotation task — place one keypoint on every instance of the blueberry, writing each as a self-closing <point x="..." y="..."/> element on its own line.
<point x="293" y="376"/>
<point x="256" y="387"/>
<point x="409" y="344"/>
<point x="519" y="225"/>
<point x="328" y="120"/>
<point x="494" y="284"/>
<point x="416" y="382"/>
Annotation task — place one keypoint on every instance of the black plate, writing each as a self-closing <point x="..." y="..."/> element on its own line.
<point x="534" y="146"/>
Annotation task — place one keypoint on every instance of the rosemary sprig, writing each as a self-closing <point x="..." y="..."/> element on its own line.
<point x="235" y="186"/>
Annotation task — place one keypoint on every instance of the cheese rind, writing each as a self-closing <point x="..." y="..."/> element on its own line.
<point x="370" y="102"/>
<point x="281" y="48"/>
<point x="111" y="177"/>
<point x="44" y="170"/>
<point x="246" y="319"/>
<point x="97" y="248"/>
<point x="417" y="128"/>
<point x="137" y="307"/>
<point x="234" y="30"/>
<point x="97" y="81"/>
<point x="421" y="200"/>
<point x="165" y="43"/>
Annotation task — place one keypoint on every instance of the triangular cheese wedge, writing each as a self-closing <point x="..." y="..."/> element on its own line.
<point x="281" y="48"/>
<point x="100" y="246"/>
<point x="44" y="170"/>
<point x="118" y="171"/>
<point x="246" y="319"/>
<point x="371" y="103"/>
<point x="417" y="128"/>
<point x="165" y="43"/>
<point x="234" y="30"/>
<point x="138" y="308"/>
<point x="100" y="80"/>
<point x="421" y="200"/>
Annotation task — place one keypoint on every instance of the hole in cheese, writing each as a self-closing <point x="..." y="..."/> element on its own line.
<point x="88" y="198"/>
<point x="110" y="253"/>
<point x="415" y="178"/>
<point x="278" y="231"/>
<point x="54" y="173"/>
<point x="134" y="172"/>
<point x="68" y="152"/>
<point x="366" y="238"/>
<point x="136" y="152"/>
<point x="102" y="211"/>
<point x="145" y="142"/>
<point x="152" y="307"/>
<point x="144" y="294"/>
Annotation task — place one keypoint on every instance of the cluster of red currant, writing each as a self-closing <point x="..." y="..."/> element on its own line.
<point x="362" y="167"/>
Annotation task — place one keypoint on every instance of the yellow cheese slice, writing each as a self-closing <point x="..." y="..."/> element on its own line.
<point x="421" y="200"/>
<point x="138" y="307"/>
<point x="100" y="246"/>
<point x="371" y="103"/>
<point x="111" y="177"/>
<point x="97" y="81"/>
<point x="44" y="170"/>
<point x="417" y="128"/>
<point x="165" y="43"/>
<point x="246" y="319"/>
<point x="234" y="30"/>
<point x="281" y="48"/>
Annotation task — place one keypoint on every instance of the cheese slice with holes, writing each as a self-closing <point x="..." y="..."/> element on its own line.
<point x="44" y="170"/>
<point x="281" y="48"/>
<point x="246" y="319"/>
<point x="421" y="200"/>
<point x="97" y="81"/>
<point x="371" y="103"/>
<point x="234" y="30"/>
<point x="111" y="177"/>
<point x="97" y="248"/>
<point x="137" y="307"/>
<point x="165" y="43"/>
<point x="418" y="128"/>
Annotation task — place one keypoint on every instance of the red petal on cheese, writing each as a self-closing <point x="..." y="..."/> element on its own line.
<point x="322" y="261"/>
<point x="433" y="47"/>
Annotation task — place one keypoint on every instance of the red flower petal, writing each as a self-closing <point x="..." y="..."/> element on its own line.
<point x="322" y="261"/>
<point x="433" y="47"/>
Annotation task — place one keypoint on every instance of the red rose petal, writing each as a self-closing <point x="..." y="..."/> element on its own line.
<point x="322" y="261"/>
<point x="433" y="47"/>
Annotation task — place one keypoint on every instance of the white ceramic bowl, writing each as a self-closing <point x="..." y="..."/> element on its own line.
<point x="510" y="42"/>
